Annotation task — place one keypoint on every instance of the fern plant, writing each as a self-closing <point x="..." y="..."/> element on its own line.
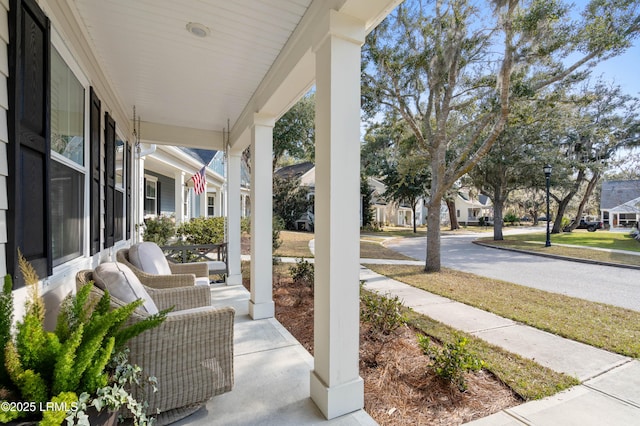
<point x="41" y="366"/>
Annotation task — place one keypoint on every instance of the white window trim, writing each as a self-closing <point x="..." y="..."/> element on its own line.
<point x="63" y="50"/>
<point x="153" y="179"/>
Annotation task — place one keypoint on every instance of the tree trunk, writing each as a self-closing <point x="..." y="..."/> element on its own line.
<point x="587" y="194"/>
<point x="562" y="204"/>
<point x="433" y="235"/>
<point x="453" y="219"/>
<point x="413" y="210"/>
<point x="498" y="207"/>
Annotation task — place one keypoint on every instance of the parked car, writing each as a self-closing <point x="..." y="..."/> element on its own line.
<point x="589" y="226"/>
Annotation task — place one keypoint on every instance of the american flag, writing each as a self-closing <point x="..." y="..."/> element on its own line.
<point x="200" y="180"/>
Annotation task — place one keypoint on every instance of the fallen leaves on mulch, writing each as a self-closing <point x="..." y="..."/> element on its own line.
<point x="399" y="387"/>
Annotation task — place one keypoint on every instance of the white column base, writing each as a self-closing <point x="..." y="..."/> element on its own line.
<point x="261" y="310"/>
<point x="234" y="279"/>
<point x="338" y="400"/>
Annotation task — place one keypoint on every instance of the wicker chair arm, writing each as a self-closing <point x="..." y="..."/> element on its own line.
<point x="167" y="281"/>
<point x="199" y="269"/>
<point x="191" y="355"/>
<point x="156" y="281"/>
<point x="181" y="298"/>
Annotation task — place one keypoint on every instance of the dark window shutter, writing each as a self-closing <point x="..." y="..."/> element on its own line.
<point x="94" y="170"/>
<point x="128" y="164"/>
<point x="119" y="216"/>
<point x="158" y="196"/>
<point x="110" y="179"/>
<point x="28" y="224"/>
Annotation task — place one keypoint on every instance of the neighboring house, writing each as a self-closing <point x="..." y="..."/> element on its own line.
<point x="470" y="209"/>
<point x="167" y="188"/>
<point x="385" y="213"/>
<point x="392" y="213"/>
<point x="620" y="203"/>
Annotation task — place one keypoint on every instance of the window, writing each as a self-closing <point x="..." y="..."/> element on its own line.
<point x="185" y="204"/>
<point x="67" y="165"/>
<point x="67" y="111"/>
<point x="67" y="189"/>
<point x="119" y="213"/>
<point x="150" y="195"/>
<point x="211" y="202"/>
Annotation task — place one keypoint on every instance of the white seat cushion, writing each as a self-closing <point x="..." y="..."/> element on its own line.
<point x="216" y="265"/>
<point x="148" y="257"/>
<point x="123" y="284"/>
<point x="202" y="280"/>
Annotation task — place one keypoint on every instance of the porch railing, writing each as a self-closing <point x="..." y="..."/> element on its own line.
<point x="214" y="254"/>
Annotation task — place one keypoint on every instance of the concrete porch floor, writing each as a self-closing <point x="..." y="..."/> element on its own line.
<point x="272" y="373"/>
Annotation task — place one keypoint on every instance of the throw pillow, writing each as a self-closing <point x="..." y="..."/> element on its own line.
<point x="123" y="284"/>
<point x="148" y="257"/>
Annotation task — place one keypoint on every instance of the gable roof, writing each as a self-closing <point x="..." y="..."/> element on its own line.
<point x="294" y="170"/>
<point x="632" y="206"/>
<point x="618" y="192"/>
<point x="202" y="155"/>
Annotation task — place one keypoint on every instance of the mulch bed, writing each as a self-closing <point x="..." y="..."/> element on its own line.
<point x="400" y="389"/>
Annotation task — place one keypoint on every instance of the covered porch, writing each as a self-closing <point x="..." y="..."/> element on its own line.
<point x="271" y="375"/>
<point x="217" y="75"/>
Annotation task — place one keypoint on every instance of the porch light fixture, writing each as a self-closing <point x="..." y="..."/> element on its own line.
<point x="198" y="30"/>
<point x="547" y="174"/>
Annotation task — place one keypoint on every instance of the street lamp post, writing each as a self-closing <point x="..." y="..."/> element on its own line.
<point x="547" y="175"/>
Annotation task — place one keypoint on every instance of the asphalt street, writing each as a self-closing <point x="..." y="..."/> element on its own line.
<point x="606" y="284"/>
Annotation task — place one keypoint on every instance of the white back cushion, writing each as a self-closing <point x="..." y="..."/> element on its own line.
<point x="148" y="257"/>
<point x="123" y="284"/>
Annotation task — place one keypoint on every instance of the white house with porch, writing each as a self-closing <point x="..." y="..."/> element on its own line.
<point x="620" y="203"/>
<point x="213" y="75"/>
<point x="167" y="186"/>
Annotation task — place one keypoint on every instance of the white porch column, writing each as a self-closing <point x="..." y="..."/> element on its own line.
<point x="336" y="386"/>
<point x="140" y="201"/>
<point x="179" y="196"/>
<point x="218" y="202"/>
<point x="233" y="219"/>
<point x="261" y="302"/>
<point x="203" y="202"/>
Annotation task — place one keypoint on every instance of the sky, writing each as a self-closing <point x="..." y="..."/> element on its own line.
<point x="624" y="70"/>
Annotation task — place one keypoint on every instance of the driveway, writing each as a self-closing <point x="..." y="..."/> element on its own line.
<point x="606" y="284"/>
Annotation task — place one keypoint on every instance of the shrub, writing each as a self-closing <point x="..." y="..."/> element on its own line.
<point x="245" y="225"/>
<point x="302" y="273"/>
<point x="203" y="230"/>
<point x="452" y="361"/>
<point x="159" y="230"/>
<point x="385" y="316"/>
<point x="383" y="313"/>
<point x="277" y="226"/>
<point x="511" y="218"/>
<point x="290" y="200"/>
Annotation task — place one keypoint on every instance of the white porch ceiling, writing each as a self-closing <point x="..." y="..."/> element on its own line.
<point x="257" y="59"/>
<point x="176" y="78"/>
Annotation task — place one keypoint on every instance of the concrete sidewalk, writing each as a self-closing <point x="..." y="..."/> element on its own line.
<point x="610" y="389"/>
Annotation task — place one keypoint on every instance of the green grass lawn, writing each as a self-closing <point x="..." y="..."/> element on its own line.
<point x="534" y="242"/>
<point x="580" y="237"/>
<point x="525" y="377"/>
<point x="604" y="326"/>
<point x="296" y="244"/>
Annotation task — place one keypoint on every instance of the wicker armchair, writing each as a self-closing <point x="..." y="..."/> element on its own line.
<point x="190" y="353"/>
<point x="182" y="274"/>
